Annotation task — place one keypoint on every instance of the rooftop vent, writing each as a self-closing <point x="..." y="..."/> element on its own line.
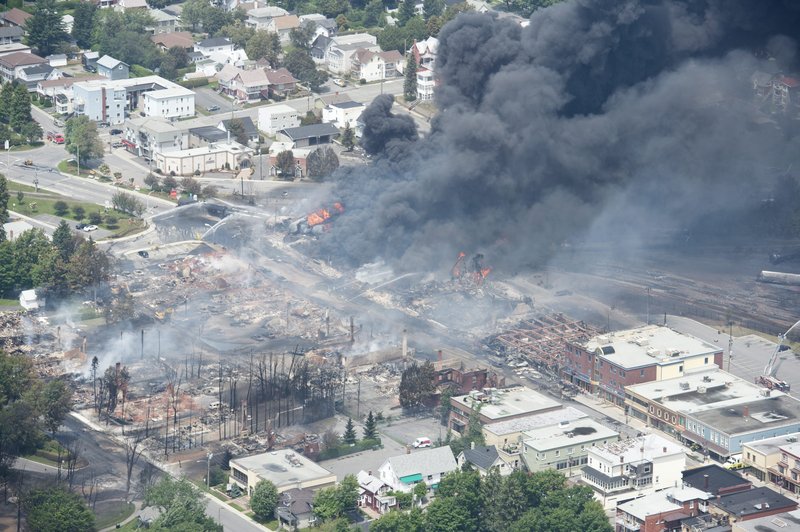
<point x="684" y="385"/>
<point x="701" y="389"/>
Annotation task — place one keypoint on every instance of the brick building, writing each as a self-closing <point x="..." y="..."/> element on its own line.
<point x="662" y="510"/>
<point x="464" y="382"/>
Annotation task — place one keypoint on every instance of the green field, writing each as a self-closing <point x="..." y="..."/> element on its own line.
<point x="113" y="512"/>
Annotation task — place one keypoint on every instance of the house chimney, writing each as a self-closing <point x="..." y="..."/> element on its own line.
<point x="621" y="459"/>
<point x="746" y="411"/>
<point x="705" y="482"/>
<point x="369" y="473"/>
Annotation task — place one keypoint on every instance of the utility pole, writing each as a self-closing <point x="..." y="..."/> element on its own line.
<point x="648" y="305"/>
<point x="730" y="344"/>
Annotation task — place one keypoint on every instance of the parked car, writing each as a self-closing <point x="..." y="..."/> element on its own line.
<point x="212" y="108"/>
<point x="420" y="443"/>
<point x="89" y="228"/>
<point x="80" y="227"/>
<point x="340" y="82"/>
<point x="144" y="254"/>
<point x="90" y="68"/>
<point x="117" y="145"/>
<point x="116" y="132"/>
<point x="103" y="124"/>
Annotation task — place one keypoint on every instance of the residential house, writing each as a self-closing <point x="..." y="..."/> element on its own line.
<point x="15" y="17"/>
<point x="237" y="57"/>
<point x="283" y="26"/>
<point x="338" y="56"/>
<point x="373" y="493"/>
<point x="374" y="66"/>
<point x="11" y="34"/>
<point x="402" y="472"/>
<point x="250" y="85"/>
<point x="424" y="53"/>
<point x="14" y="47"/>
<point x="324" y="100"/>
<point x="661" y="511"/>
<point x="260" y="18"/>
<point x="607" y="363"/>
<point x="299" y="154"/>
<point x="32" y="75"/>
<point x="715" y="480"/>
<point x="207" y="47"/>
<point x="426" y="84"/>
<point x="113" y="69"/>
<point x="285" y="469"/>
<point x="12" y="64"/>
<point x="197" y="57"/>
<point x="751" y="504"/>
<point x="483" y="458"/>
<point x="342" y="114"/>
<point x="90" y="59"/>
<point x="322" y="25"/>
<point x="57" y="60"/>
<point x="105" y="4"/>
<point x="761" y="457"/>
<point x="277" y="117"/>
<point x="226" y="79"/>
<point x="163" y="22"/>
<point x="59" y="91"/>
<point x="295" y="509"/>
<point x="633" y="466"/>
<point x="250" y="130"/>
<point x="312" y="135"/>
<point x="564" y="447"/>
<point x="125" y="5"/>
<point x="319" y="48"/>
<point x="281" y="83"/>
<point x="175" y="39"/>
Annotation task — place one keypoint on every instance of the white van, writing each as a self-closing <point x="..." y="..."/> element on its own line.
<point x="419" y="443"/>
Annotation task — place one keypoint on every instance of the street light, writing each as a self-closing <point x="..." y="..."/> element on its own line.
<point x="209" y="456"/>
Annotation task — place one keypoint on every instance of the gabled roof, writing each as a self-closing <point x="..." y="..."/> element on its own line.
<point x="11" y="31"/>
<point x="280" y="76"/>
<point x="132" y="4"/>
<point x="214" y="41"/>
<point x="286" y="22"/>
<point x="297" y="501"/>
<point x="255" y="77"/>
<point x="16" y="16"/>
<point x="249" y="127"/>
<point x="180" y="39"/>
<point x="43" y="68"/>
<point x="21" y="59"/>
<point x="482" y="457"/>
<point x="109" y="62"/>
<point x="269" y="11"/>
<point x="66" y="82"/>
<point x="369" y="482"/>
<point x="310" y="131"/>
<point x="392" y="56"/>
<point x="228" y="73"/>
<point x="427" y="462"/>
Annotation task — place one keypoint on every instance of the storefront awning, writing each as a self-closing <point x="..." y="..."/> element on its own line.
<point x="409" y="479"/>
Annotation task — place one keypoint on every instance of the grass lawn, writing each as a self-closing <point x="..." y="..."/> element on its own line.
<point x="128" y="527"/>
<point x="9" y="302"/>
<point x="219" y="495"/>
<point x="72" y="168"/>
<point x="113" y="512"/>
<point x="234" y="505"/>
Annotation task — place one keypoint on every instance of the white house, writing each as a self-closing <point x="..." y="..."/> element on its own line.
<point x="29" y="301"/>
<point x="250" y="85"/>
<point x="213" y="45"/>
<point x="341" y="114"/>
<point x="634" y="466"/>
<point x="173" y="102"/>
<point x="339" y="53"/>
<point x="428" y="466"/>
<point x="374" y="66"/>
<point x="11" y="64"/>
<point x="277" y="117"/>
<point x="261" y="17"/>
<point x="283" y="26"/>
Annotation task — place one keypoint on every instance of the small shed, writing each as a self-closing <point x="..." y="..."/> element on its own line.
<point x="30" y="301"/>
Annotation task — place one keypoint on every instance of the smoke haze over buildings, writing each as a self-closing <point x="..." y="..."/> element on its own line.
<point x="620" y="116"/>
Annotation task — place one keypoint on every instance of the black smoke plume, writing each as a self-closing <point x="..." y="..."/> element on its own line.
<point x="619" y="116"/>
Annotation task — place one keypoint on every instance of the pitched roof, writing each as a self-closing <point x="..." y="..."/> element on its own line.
<point x="427" y="462"/>
<point x="482" y="457"/>
<point x="269" y="11"/>
<point x="66" y="82"/>
<point x="16" y="16"/>
<point x="214" y="41"/>
<point x="42" y="68"/>
<point x="180" y="39"/>
<point x="249" y="127"/>
<point x="11" y="31"/>
<point x="297" y="501"/>
<point x="347" y="105"/>
<point x="392" y="56"/>
<point x="313" y="130"/>
<point x="228" y="73"/>
<point x="253" y="77"/>
<point x="280" y="76"/>
<point x="132" y="4"/>
<point x="109" y="62"/>
<point x="369" y="482"/>
<point x="286" y="22"/>
<point x="20" y="59"/>
<point x="720" y="480"/>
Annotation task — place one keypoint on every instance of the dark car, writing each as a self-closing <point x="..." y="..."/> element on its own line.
<point x="90" y="68"/>
<point x="116" y="132"/>
<point x="212" y="108"/>
<point x="144" y="254"/>
<point x="80" y="227"/>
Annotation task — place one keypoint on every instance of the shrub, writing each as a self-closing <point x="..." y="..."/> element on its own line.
<point x="192" y="83"/>
<point x="78" y="212"/>
<point x="95" y="218"/>
<point x="61" y="208"/>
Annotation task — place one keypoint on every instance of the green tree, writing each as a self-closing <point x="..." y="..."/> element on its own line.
<point x="447" y="515"/>
<point x="348" y="137"/>
<point x="87" y="266"/>
<point x="127" y="203"/>
<point x="432" y="8"/>
<point x="413" y="521"/>
<point x="31" y="131"/>
<point x="406" y="12"/>
<point x="330" y="503"/>
<point x="420" y="490"/>
<point x="82" y="139"/>
<point x="193" y="13"/>
<point x="415" y="29"/>
<point x="370" y="427"/>
<point x="4" y="197"/>
<point x="238" y="32"/>
<point x="264" y="500"/>
<point x="6" y="97"/>
<point x="322" y="162"/>
<point x="45" y="28"/>
<point x="392" y="38"/>
<point x="84" y="21"/>
<point x="19" y="429"/>
<point x="433" y="26"/>
<point x="301" y="37"/>
<point x="55" y="509"/>
<point x="349" y="435"/>
<point x="153" y="182"/>
<point x="60" y="208"/>
<point x="181" y="505"/>
<point x="264" y="45"/>
<point x="64" y="240"/>
<point x="464" y="488"/>
<point x="300" y="64"/>
<point x="169" y="67"/>
<point x="78" y="212"/>
<point x="374" y="13"/>
<point x="417" y="385"/>
<point x="237" y="131"/>
<point x="20" y="108"/>
<point x="56" y="403"/>
<point x="410" y="83"/>
<point x="285" y="163"/>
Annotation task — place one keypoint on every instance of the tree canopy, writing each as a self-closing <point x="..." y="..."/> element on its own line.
<point x="181" y="506"/>
<point x="322" y="162"/>
<point x="264" y="500"/>
<point x="82" y="139"/>
<point x="331" y="503"/>
<point x="417" y="385"/>
<point x="56" y="510"/>
<point x="45" y="28"/>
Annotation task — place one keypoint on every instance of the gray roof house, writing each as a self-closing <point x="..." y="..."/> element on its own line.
<point x="250" y="128"/>
<point x="483" y="459"/>
<point x="111" y="68"/>
<point x="295" y="508"/>
<point x="312" y="135"/>
<point x="428" y="466"/>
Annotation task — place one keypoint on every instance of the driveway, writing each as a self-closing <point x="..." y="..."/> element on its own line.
<point x="205" y="97"/>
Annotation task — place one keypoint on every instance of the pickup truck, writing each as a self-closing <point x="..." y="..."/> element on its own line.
<point x="56" y="138"/>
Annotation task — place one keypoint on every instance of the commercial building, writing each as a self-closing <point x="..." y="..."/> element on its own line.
<point x="147" y="136"/>
<point x="564" y="447"/>
<point x="173" y="102"/>
<point x="634" y="466"/>
<point x="403" y="472"/>
<point x="663" y="510"/>
<point x="276" y="117"/>
<point x="751" y="504"/>
<point x="781" y="522"/>
<point x="311" y="135"/>
<point x="213" y="157"/>
<point x="606" y="364"/>
<point x="496" y="405"/>
<point x="761" y="457"/>
<point x="715" y="480"/>
<point x="343" y="114"/>
<point x="286" y="469"/>
<point x="507" y="435"/>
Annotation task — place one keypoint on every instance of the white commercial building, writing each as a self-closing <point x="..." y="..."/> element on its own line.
<point x="277" y="117"/>
<point x="564" y="447"/>
<point x="285" y="469"/>
<point x="214" y="157"/>
<point x="342" y="114"/>
<point x="176" y="102"/>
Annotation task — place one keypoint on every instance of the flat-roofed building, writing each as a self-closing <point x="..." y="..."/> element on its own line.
<point x="274" y="118"/>
<point x="607" y="363"/>
<point x="762" y="456"/>
<point x="507" y="435"/>
<point x="493" y="405"/>
<point x="663" y="510"/>
<point x="286" y="469"/>
<point x="751" y="504"/>
<point x="564" y="447"/>
<point x="213" y="157"/>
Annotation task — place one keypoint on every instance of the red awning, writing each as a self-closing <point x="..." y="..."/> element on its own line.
<point x="128" y="144"/>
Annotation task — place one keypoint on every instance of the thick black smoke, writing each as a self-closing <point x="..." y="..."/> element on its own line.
<point x="632" y="115"/>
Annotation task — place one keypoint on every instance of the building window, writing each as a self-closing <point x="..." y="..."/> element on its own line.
<point x="558" y="452"/>
<point x="641" y="373"/>
<point x="680" y="368"/>
<point x="705" y="361"/>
